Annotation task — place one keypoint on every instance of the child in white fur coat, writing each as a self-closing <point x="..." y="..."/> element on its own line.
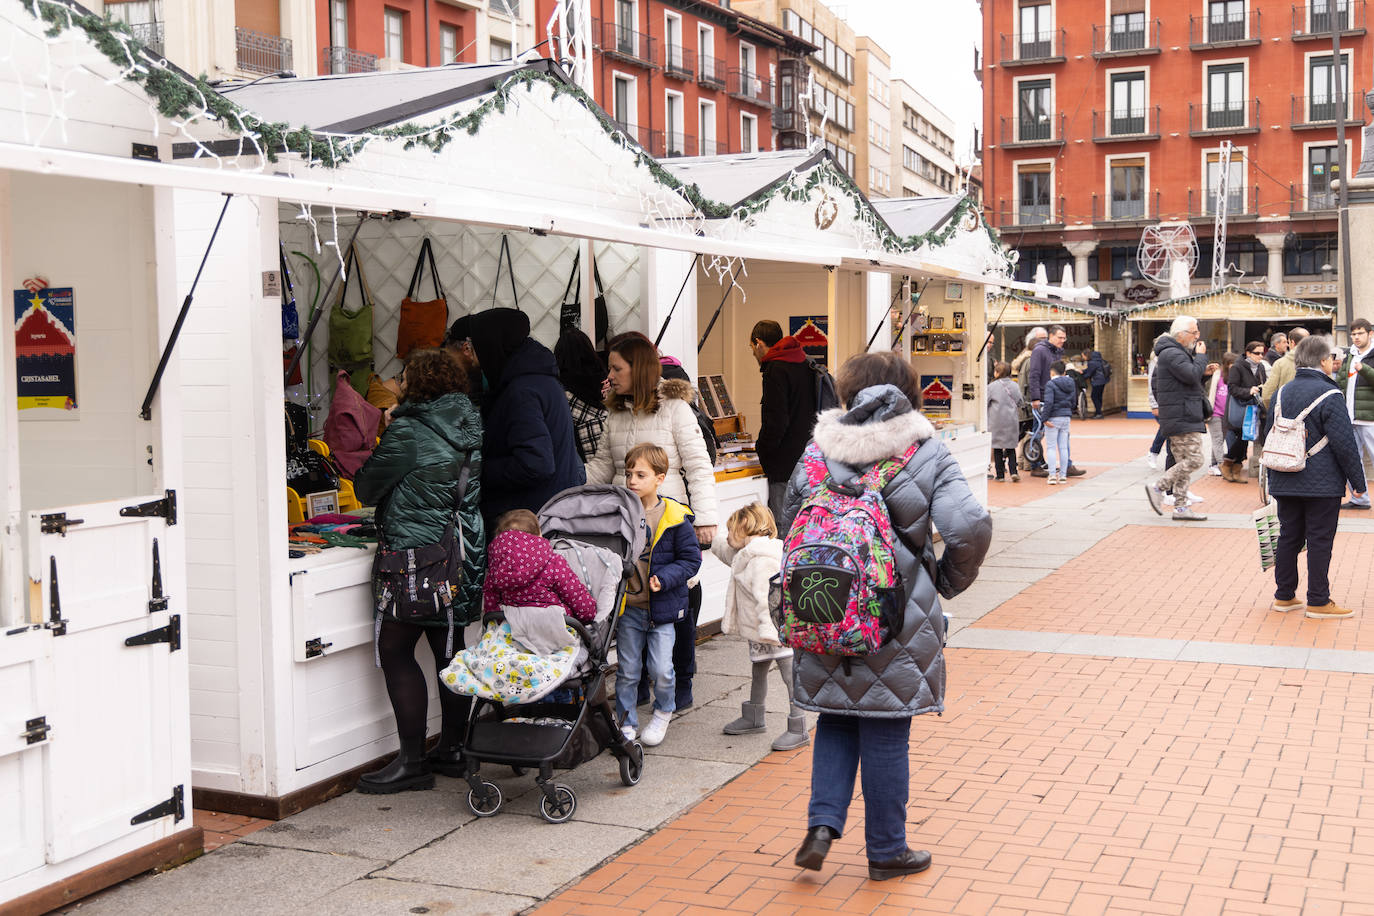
<point x="754" y="554"/>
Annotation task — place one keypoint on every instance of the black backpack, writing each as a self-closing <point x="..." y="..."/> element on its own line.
<point x="708" y="431"/>
<point x="826" y="396"/>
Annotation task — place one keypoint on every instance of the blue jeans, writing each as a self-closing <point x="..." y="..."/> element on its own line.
<point x="842" y="742"/>
<point x="633" y="634"/>
<point x="1057" y="438"/>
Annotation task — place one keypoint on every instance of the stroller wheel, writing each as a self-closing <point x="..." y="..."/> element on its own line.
<point x="560" y="808"/>
<point x="486" y="802"/>
<point x="632" y="765"/>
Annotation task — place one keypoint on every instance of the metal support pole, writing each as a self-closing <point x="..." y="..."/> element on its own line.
<point x="1338" y="74"/>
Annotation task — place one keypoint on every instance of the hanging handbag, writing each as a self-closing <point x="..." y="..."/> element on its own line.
<point x="423" y="321"/>
<point x="1249" y="430"/>
<point x="570" y="315"/>
<point x="350" y="333"/>
<point x="505" y="255"/>
<point x="1235" y="413"/>
<point x="350" y="430"/>
<point x="290" y="318"/>
<point x="420" y="584"/>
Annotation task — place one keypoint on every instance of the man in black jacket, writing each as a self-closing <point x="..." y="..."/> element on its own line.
<point x="787" y="410"/>
<point x="1183" y="412"/>
<point x="1046" y="353"/>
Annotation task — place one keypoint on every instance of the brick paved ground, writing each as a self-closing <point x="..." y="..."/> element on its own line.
<point x="222" y="829"/>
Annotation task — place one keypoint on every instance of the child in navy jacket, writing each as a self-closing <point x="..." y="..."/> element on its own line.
<point x="1060" y="396"/>
<point x="657" y="599"/>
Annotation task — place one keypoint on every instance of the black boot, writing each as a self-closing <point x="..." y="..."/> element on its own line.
<point x="815" y="846"/>
<point x="908" y="863"/>
<point x="446" y="759"/>
<point x="408" y="770"/>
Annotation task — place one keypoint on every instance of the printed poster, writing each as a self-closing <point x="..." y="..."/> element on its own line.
<point x="937" y="395"/>
<point x="45" y="349"/>
<point x="812" y="332"/>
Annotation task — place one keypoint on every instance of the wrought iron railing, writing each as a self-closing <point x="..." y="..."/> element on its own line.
<point x="1029" y="47"/>
<point x="1317" y="19"/>
<point x="641" y="135"/>
<point x="669" y="144"/>
<point x="1032" y="131"/>
<point x="256" y="52"/>
<point x="1224" y="116"/>
<point x="711" y="71"/>
<point x="1224" y="29"/>
<point x="1322" y="110"/>
<point x="1126" y="208"/>
<point x="1040" y="213"/>
<point x="679" y="61"/>
<point x="748" y="85"/>
<point x="1203" y="202"/>
<point x="1113" y="42"/>
<point x="152" y="34"/>
<point x="621" y="41"/>
<point x="346" y="60"/>
<point x="1134" y="123"/>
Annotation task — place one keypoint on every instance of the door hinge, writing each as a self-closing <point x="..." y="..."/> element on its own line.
<point x="314" y="648"/>
<point x="170" y="634"/>
<point x="36" y="730"/>
<point x="158" y="601"/>
<point x="55" y="621"/>
<point x="176" y="806"/>
<point x="165" y="508"/>
<point x="58" y="523"/>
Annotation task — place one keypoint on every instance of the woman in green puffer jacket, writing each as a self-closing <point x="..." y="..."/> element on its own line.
<point x="411" y="478"/>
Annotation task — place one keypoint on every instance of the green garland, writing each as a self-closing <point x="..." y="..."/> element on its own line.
<point x="182" y="97"/>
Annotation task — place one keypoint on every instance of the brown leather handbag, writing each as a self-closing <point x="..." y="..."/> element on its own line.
<point x="423" y="321"/>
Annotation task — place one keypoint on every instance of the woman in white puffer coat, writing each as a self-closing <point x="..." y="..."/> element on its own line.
<point x="645" y="407"/>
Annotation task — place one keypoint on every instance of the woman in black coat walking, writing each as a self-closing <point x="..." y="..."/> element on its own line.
<point x="1243" y="388"/>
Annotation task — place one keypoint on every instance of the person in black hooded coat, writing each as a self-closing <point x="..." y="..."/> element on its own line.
<point x="528" y="452"/>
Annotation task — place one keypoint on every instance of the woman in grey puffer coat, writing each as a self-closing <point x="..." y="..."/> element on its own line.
<point x="866" y="705"/>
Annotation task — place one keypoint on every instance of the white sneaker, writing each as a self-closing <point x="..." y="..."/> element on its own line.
<point x="1052" y="480"/>
<point x="653" y="733"/>
<point x="1214" y="471"/>
<point x="629" y="732"/>
<point x="1193" y="498"/>
<point x="1152" y="458"/>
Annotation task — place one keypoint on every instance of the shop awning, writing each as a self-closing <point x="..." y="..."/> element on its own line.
<point x="1232" y="302"/>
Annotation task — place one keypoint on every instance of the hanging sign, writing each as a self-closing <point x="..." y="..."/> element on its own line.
<point x="810" y="331"/>
<point x="937" y="395"/>
<point x="1141" y="292"/>
<point x="45" y="347"/>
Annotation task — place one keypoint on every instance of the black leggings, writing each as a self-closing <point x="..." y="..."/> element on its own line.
<point x="405" y="680"/>
<point x="1000" y="455"/>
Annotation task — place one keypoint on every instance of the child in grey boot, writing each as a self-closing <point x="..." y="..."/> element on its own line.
<point x="754" y="554"/>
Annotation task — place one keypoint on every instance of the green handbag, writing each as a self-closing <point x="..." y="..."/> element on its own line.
<point x="350" y="333"/>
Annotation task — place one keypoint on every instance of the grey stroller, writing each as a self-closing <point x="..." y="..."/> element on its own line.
<point x="599" y="530"/>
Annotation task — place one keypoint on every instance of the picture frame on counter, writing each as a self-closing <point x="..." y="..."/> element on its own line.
<point x="942" y="345"/>
<point x="937" y="322"/>
<point x="956" y="345"/>
<point x="920" y="344"/>
<point x="958" y="321"/>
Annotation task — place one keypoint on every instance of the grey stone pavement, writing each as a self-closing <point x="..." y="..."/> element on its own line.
<point x="424" y="852"/>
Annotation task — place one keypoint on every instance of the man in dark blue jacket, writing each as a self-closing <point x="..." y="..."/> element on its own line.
<point x="528" y="449"/>
<point x="1309" y="501"/>
<point x="1183" y="411"/>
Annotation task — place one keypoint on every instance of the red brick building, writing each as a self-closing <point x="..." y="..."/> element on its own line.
<point x="1104" y="116"/>
<point x="693" y="77"/>
<point x="353" y="35"/>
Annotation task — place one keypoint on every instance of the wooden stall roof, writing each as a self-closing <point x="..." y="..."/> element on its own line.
<point x="1017" y="309"/>
<point x="1230" y="302"/>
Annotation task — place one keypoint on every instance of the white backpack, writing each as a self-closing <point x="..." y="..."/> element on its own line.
<point x="1286" y="449"/>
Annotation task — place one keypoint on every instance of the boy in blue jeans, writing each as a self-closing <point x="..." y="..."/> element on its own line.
<point x="1061" y="394"/>
<point x="657" y="598"/>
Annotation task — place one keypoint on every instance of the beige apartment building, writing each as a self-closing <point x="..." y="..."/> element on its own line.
<point x="873" y="79"/>
<point x="922" y="146"/>
<point x="834" y="114"/>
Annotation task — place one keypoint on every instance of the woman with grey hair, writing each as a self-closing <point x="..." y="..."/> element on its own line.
<point x="1309" y="501"/>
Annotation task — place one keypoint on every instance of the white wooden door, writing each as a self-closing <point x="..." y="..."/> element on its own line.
<point x="110" y="756"/>
<point x="25" y="683"/>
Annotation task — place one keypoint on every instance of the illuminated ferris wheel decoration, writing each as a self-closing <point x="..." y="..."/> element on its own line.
<point x="1161" y="246"/>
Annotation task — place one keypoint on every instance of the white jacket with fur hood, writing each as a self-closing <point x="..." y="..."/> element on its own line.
<point x="906" y="676"/>
<point x="746" y="600"/>
<point x="673" y="427"/>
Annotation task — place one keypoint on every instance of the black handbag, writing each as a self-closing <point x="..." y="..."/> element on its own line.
<point x="570" y="315"/>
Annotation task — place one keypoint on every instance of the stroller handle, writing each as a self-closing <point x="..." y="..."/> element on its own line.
<point x="577" y="625"/>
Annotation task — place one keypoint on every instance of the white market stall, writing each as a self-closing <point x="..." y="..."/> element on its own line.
<point x="257" y="718"/>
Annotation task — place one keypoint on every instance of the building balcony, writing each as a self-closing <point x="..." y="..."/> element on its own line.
<point x="789" y="120"/>
<point x="1044" y="214"/>
<point x="1109" y="42"/>
<point x="623" y="43"/>
<point x="668" y="144"/>
<point x="507" y="8"/>
<point x="1316" y="21"/>
<point x="1207" y="32"/>
<point x="711" y="72"/>
<point x="1221" y="118"/>
<point x="641" y="135"/>
<point x="709" y="147"/>
<point x="152" y="34"/>
<point x="748" y="86"/>
<point x="1141" y="209"/>
<point x="1202" y="203"/>
<point x="1033" y="48"/>
<point x="1121" y="126"/>
<point x="679" y="62"/>
<point x="1309" y="201"/>
<point x="1311" y="112"/>
<point x="1044" y="130"/>
<point x="259" y="53"/>
<point x="346" y="60"/>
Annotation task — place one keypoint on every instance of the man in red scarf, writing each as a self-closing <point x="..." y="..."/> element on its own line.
<point x="787" y="408"/>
